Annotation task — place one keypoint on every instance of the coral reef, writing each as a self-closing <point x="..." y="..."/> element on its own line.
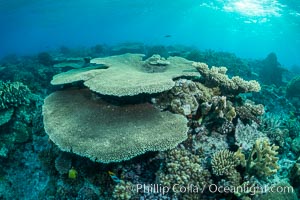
<point x="45" y="58"/>
<point x="278" y="192"/>
<point x="293" y="91"/>
<point x="98" y="130"/>
<point x="296" y="145"/>
<point x="236" y="66"/>
<point x="209" y="143"/>
<point x="217" y="136"/>
<point x="293" y="87"/>
<point x="63" y="163"/>
<point x="156" y="64"/>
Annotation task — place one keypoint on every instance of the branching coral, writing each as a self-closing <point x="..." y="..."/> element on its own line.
<point x="263" y="161"/>
<point x="224" y="163"/>
<point x="218" y="107"/>
<point x="216" y="76"/>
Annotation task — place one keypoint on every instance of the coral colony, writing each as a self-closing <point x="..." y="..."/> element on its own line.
<point x="147" y="122"/>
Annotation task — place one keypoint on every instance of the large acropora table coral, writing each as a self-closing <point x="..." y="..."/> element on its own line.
<point x="108" y="133"/>
<point x="129" y="75"/>
<point x="77" y="120"/>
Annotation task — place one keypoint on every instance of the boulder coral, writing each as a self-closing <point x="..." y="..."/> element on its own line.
<point x="184" y="168"/>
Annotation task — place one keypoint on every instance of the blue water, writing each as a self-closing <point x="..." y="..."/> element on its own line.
<point x="248" y="28"/>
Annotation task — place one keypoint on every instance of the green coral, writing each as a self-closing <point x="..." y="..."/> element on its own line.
<point x="13" y="94"/>
<point x="5" y="115"/>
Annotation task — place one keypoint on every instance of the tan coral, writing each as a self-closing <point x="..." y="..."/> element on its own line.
<point x="185" y="169"/>
<point x="262" y="160"/>
<point x="126" y="75"/>
<point x="108" y="133"/>
<point x="216" y="76"/>
<point x="124" y="191"/>
<point x="224" y="163"/>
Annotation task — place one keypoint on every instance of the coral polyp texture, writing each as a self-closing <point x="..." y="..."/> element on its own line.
<point x="216" y="76"/>
<point x="13" y="94"/>
<point x="224" y="163"/>
<point x="184" y="168"/>
<point x="129" y="75"/>
<point x="107" y="133"/>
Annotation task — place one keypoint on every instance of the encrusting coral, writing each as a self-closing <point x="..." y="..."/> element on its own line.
<point x="108" y="133"/>
<point x="129" y="75"/>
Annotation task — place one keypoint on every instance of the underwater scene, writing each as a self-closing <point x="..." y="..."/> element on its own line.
<point x="150" y="100"/>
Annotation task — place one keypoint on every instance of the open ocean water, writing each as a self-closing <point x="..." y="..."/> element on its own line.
<point x="148" y="99"/>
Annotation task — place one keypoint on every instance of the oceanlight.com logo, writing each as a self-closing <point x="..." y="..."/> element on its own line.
<point x="211" y="188"/>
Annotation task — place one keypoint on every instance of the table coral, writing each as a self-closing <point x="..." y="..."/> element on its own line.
<point x="107" y="133"/>
<point x="129" y="75"/>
